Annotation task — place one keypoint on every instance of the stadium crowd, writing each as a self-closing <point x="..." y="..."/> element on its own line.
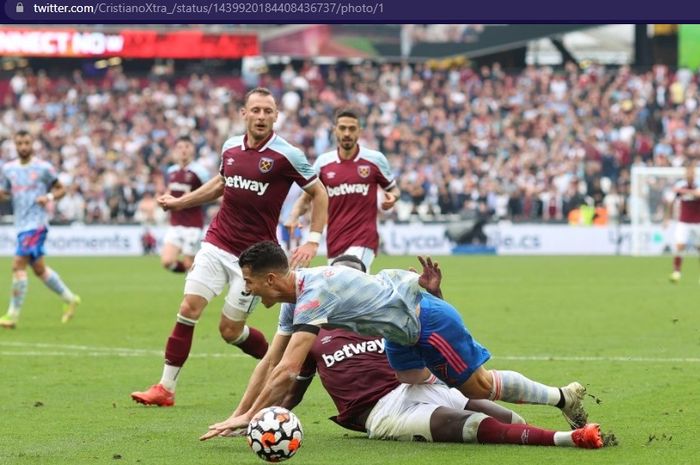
<point x="529" y="145"/>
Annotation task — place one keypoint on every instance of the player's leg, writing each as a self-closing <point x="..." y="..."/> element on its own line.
<point x="190" y="247"/>
<point x="434" y="413"/>
<point x="680" y="238"/>
<point x="206" y="280"/>
<point x="237" y="306"/>
<point x="451" y="352"/>
<point x="448" y="425"/>
<point x="365" y="254"/>
<point x="53" y="281"/>
<point x="172" y="246"/>
<point x="19" y="291"/>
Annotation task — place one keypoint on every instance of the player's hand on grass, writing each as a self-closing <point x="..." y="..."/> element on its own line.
<point x="302" y="255"/>
<point x="233" y="426"/>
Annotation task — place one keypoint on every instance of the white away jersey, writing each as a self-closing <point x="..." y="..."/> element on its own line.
<point x="372" y="305"/>
<point x="26" y="183"/>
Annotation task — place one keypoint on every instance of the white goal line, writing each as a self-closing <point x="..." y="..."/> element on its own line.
<point x="40" y="349"/>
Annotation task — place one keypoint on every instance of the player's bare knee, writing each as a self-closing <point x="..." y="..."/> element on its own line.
<point x="192" y="307"/>
<point x="20" y="274"/>
<point x="447" y="425"/>
<point x="167" y="263"/>
<point x="39" y="269"/>
<point x="230" y="330"/>
<point x="479" y="385"/>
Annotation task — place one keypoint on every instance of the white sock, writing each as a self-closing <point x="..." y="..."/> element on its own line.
<point x="563" y="438"/>
<point x="511" y="386"/>
<point x="169" y="378"/>
<point x="244" y="335"/>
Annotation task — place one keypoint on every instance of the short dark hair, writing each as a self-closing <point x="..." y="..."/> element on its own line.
<point x="346" y="112"/>
<point x="258" y="90"/>
<point x="22" y="133"/>
<point x="264" y="256"/>
<point x="350" y="259"/>
<point x="184" y="138"/>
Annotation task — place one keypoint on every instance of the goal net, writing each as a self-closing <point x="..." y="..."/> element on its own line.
<point x="651" y="190"/>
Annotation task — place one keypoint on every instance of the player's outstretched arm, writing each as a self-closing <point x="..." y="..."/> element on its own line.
<point x="258" y="379"/>
<point x="277" y="386"/>
<point x="301" y="256"/>
<point x="207" y="192"/>
<point x="300" y="207"/>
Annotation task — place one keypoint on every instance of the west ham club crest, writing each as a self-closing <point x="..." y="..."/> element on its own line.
<point x="363" y="171"/>
<point x="265" y="164"/>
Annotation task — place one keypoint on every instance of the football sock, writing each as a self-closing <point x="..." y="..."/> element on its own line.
<point x="19" y="291"/>
<point x="252" y="342"/>
<point x="177" y="267"/>
<point x="677" y="262"/>
<point x="511" y="386"/>
<point x="53" y="281"/>
<point x="491" y="431"/>
<point x="177" y="350"/>
<point x="564" y="438"/>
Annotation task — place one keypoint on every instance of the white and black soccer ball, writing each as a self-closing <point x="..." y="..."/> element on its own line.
<point x="275" y="434"/>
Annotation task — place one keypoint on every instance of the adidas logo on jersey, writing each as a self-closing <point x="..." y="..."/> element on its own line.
<point x="345" y="189"/>
<point x="350" y="350"/>
<point x="239" y="182"/>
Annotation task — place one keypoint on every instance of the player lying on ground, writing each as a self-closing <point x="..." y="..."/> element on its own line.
<point x="369" y="398"/>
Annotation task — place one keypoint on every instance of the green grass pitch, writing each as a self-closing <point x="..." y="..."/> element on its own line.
<point x="616" y="324"/>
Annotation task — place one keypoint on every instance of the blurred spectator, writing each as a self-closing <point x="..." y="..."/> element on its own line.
<point x="534" y="143"/>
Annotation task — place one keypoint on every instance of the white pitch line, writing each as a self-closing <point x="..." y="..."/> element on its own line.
<point x="71" y="350"/>
<point x="557" y="358"/>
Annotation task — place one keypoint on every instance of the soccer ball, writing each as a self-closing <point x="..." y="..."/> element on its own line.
<point x="274" y="434"/>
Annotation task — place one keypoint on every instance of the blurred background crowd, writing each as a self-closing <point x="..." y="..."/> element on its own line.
<point x="532" y="144"/>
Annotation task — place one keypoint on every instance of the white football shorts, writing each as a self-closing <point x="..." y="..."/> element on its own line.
<point x="687" y="231"/>
<point x="212" y="270"/>
<point x="363" y="253"/>
<point x="185" y="238"/>
<point x="404" y="413"/>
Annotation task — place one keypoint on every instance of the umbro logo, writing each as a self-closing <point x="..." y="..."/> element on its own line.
<point x="229" y="161"/>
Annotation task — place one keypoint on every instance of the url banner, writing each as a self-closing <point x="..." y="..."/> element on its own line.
<point x="347" y="11"/>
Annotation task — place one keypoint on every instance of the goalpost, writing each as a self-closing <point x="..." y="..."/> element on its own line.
<point x="651" y="190"/>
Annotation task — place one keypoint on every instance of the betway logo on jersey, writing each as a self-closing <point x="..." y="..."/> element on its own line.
<point x="350" y="350"/>
<point x="239" y="182"/>
<point x="345" y="189"/>
<point x="179" y="187"/>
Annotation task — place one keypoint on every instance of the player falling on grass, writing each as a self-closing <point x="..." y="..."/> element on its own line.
<point x="687" y="193"/>
<point x="351" y="173"/>
<point x="256" y="172"/>
<point x="33" y="185"/>
<point x="423" y="333"/>
<point x="356" y="374"/>
<point x="186" y="225"/>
